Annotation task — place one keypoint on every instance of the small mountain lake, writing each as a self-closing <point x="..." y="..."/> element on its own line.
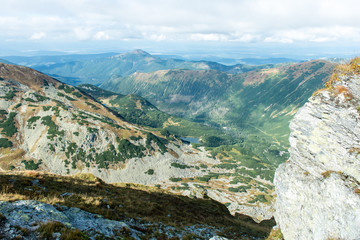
<point x="190" y="139"/>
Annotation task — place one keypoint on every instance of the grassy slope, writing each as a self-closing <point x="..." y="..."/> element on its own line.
<point x="139" y="111"/>
<point x="261" y="101"/>
<point x="126" y="200"/>
<point x="255" y="106"/>
<point x="240" y="159"/>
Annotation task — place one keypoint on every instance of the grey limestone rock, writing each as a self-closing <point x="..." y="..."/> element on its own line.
<point x="318" y="187"/>
<point x="26" y="213"/>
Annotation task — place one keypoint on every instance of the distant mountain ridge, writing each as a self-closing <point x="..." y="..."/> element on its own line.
<point x="4" y="61"/>
<point x="97" y="68"/>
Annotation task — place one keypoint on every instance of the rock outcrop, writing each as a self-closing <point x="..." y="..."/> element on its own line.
<point x="318" y="190"/>
<point x="24" y="218"/>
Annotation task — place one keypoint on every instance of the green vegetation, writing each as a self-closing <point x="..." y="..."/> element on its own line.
<point x="213" y="141"/>
<point x="178" y="165"/>
<point x="5" y="143"/>
<point x="69" y="98"/>
<point x="139" y="111"/>
<point x="68" y="89"/>
<point x="150" y="171"/>
<point x="40" y="98"/>
<point x="160" y="142"/>
<point x="129" y="150"/>
<point x="32" y="120"/>
<point x="31" y="165"/>
<point x="125" y="150"/>
<point x="10" y="95"/>
<point x="226" y="166"/>
<point x="65" y="96"/>
<point x="77" y="94"/>
<point x="56" y="110"/>
<point x="8" y="126"/>
<point x="17" y="106"/>
<point x="53" y="130"/>
<point x="30" y="100"/>
<point x="174" y="179"/>
<point x="204" y="178"/>
<point x="239" y="189"/>
<point x="258" y="198"/>
<point x="3" y="112"/>
<point x="46" y="108"/>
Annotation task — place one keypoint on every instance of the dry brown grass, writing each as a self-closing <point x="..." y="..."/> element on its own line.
<point x="275" y="234"/>
<point x="342" y="90"/>
<point x="351" y="68"/>
<point x="8" y="159"/>
<point x="115" y="202"/>
<point x="47" y="229"/>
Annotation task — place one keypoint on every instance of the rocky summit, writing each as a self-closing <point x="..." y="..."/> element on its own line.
<point x="318" y="189"/>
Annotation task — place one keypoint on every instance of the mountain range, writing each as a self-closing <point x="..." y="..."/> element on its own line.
<point x="97" y="68"/>
<point x="259" y="101"/>
<point x="195" y="128"/>
<point x="50" y="126"/>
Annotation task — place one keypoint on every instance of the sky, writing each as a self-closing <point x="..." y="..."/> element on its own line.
<point x="219" y="27"/>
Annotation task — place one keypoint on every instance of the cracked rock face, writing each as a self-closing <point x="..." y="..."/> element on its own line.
<point x="318" y="191"/>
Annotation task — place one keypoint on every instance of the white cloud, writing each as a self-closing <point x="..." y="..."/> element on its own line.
<point x="82" y="33"/>
<point x="37" y="36"/>
<point x="101" y="36"/>
<point x="208" y="37"/>
<point x="285" y="21"/>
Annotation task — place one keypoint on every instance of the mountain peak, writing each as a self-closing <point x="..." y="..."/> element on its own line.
<point x="135" y="54"/>
<point x="140" y="52"/>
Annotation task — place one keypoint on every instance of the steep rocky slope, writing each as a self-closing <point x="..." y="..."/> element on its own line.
<point x="50" y="126"/>
<point x="318" y="188"/>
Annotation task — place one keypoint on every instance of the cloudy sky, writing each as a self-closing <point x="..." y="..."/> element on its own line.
<point x="167" y="25"/>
